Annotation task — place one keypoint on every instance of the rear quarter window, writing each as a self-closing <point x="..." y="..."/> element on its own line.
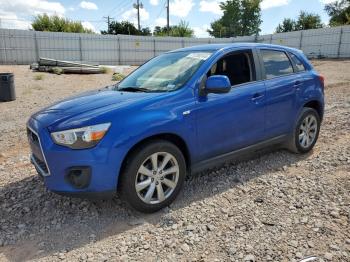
<point x="299" y="66"/>
<point x="276" y="63"/>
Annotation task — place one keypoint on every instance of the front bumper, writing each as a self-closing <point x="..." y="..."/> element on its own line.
<point x="88" y="195"/>
<point x="54" y="164"/>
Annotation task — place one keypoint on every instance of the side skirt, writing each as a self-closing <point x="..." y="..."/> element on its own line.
<point x="234" y="155"/>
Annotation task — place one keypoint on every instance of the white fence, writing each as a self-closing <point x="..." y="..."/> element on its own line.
<point x="25" y="47"/>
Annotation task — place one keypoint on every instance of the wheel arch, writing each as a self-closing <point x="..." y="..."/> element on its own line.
<point x="170" y="137"/>
<point x="315" y="104"/>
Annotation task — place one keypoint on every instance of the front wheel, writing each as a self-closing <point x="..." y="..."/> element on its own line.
<point x="153" y="176"/>
<point x="306" y="131"/>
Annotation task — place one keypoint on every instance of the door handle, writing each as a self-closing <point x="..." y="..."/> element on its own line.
<point x="297" y="84"/>
<point x="257" y="96"/>
<point x="186" y="113"/>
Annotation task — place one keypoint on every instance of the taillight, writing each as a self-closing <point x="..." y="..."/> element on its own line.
<point x="321" y="77"/>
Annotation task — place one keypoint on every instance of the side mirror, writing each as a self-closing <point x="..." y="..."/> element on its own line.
<point x="218" y="84"/>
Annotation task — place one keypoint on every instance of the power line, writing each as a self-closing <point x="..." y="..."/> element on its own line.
<point x="167" y="17"/>
<point x="14" y="19"/>
<point x="113" y="9"/>
<point x="161" y="9"/>
<point x="98" y="25"/>
<point x="119" y="6"/>
<point x="27" y="20"/>
<point x="162" y="6"/>
<point x="122" y="8"/>
<point x="108" y="23"/>
<point x="137" y="6"/>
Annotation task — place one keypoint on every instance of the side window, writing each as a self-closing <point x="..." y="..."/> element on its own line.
<point x="238" y="67"/>
<point x="276" y="63"/>
<point x="298" y="64"/>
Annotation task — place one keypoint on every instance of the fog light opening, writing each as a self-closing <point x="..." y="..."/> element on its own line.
<point x="79" y="177"/>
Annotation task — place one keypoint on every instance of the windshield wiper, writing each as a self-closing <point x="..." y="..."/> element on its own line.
<point x="134" y="89"/>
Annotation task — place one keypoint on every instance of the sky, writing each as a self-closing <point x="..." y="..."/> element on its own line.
<point x="17" y="14"/>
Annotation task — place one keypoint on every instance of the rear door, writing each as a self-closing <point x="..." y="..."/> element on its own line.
<point x="281" y="87"/>
<point x="304" y="75"/>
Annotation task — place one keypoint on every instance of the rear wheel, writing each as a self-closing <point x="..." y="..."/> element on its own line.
<point x="306" y="131"/>
<point x="153" y="176"/>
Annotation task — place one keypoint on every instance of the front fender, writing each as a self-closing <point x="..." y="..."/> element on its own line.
<point x="157" y="123"/>
<point x="163" y="116"/>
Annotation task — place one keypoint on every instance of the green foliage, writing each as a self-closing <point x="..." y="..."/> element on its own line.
<point x="125" y="28"/>
<point x="38" y="77"/>
<point x="339" y="12"/>
<point x="118" y="77"/>
<point x="58" y="24"/>
<point x="57" y="70"/>
<point x="105" y="70"/>
<point x="145" y="31"/>
<point x="309" y="21"/>
<point x="240" y="18"/>
<point x="305" y="21"/>
<point x="160" y="31"/>
<point x="181" y="30"/>
<point x="288" y="25"/>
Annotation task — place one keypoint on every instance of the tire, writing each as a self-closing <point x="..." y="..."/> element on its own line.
<point x="306" y="131"/>
<point x="139" y="177"/>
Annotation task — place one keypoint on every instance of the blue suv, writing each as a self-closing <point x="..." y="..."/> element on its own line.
<point x="181" y="112"/>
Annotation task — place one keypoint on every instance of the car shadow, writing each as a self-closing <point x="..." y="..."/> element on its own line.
<point x="36" y="223"/>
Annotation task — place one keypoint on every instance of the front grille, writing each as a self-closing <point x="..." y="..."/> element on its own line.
<point x="40" y="165"/>
<point x="32" y="137"/>
<point x="37" y="157"/>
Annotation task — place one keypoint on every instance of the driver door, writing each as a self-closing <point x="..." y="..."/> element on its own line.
<point x="228" y="122"/>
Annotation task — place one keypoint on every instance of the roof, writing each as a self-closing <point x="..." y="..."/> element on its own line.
<point x="216" y="47"/>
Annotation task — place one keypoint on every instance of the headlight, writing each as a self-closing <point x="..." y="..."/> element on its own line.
<point x="80" y="138"/>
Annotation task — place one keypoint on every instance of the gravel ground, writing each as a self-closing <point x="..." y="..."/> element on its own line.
<point x="275" y="206"/>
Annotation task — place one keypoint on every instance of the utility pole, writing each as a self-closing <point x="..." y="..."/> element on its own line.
<point x="137" y="6"/>
<point x="108" y="23"/>
<point x="167" y="17"/>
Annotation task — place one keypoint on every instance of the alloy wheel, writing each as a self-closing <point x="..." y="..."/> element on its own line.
<point x="308" y="131"/>
<point x="157" y="178"/>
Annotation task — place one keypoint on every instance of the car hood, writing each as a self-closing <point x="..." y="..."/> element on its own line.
<point x="87" y="102"/>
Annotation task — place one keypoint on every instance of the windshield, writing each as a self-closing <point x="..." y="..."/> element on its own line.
<point x="164" y="73"/>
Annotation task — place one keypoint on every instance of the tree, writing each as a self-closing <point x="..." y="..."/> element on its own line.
<point x="145" y="31"/>
<point x="218" y="29"/>
<point x="305" y="21"/>
<point x="288" y="25"/>
<point x="251" y="17"/>
<point x="308" y="21"/>
<point x="180" y="30"/>
<point x="160" y="31"/>
<point x="122" y="28"/>
<point x="240" y="18"/>
<point x="57" y="24"/>
<point x="339" y="12"/>
<point x="125" y="28"/>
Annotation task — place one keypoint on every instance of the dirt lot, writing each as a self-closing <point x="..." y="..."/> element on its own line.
<point x="274" y="207"/>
